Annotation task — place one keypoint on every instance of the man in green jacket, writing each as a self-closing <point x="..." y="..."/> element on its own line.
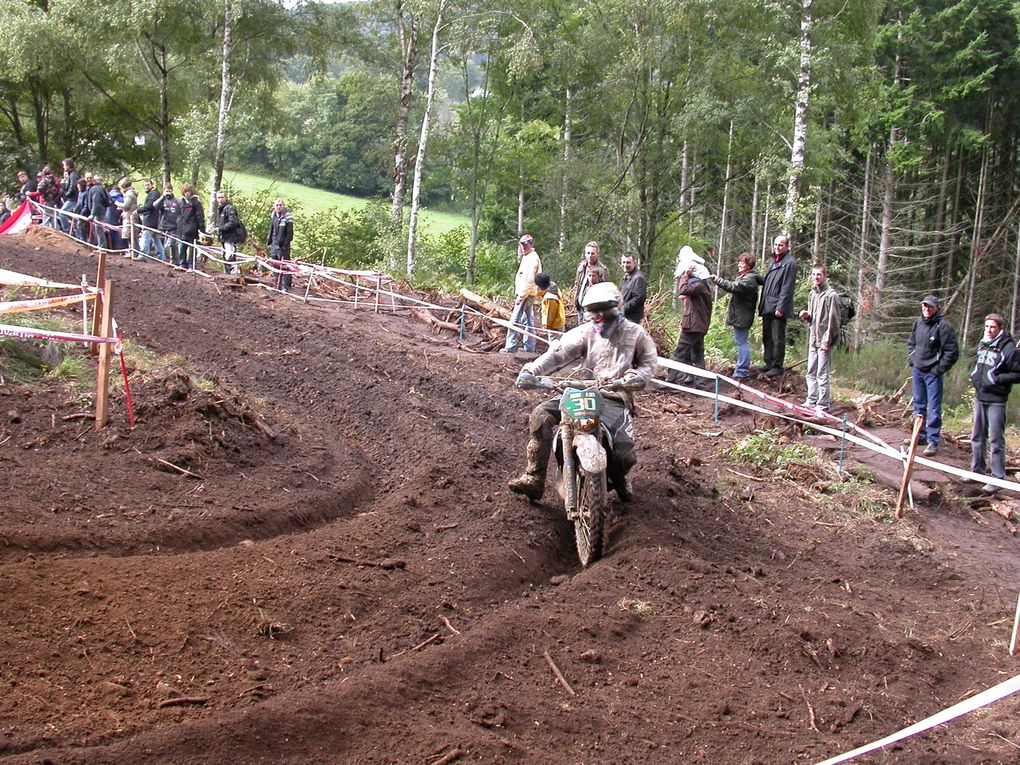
<point x="822" y="317"/>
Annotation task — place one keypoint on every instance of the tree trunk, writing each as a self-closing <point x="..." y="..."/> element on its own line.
<point x="754" y="215"/>
<point x="940" y="218"/>
<point x="68" y="132"/>
<point x="725" y="205"/>
<point x="15" y="119"/>
<point x="887" y="216"/>
<point x="409" y="62"/>
<point x="1016" y="284"/>
<point x="562" y="243"/>
<point x="976" y="247"/>
<point x="164" y="127"/>
<point x="950" y="277"/>
<point x="39" y="112"/>
<point x="685" y="208"/>
<point x="800" y="120"/>
<point x="765" y="224"/>
<point x="419" y="164"/>
<point x="226" y="99"/>
<point x="864" y="307"/>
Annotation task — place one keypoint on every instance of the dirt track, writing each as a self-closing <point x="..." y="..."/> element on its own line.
<point x="350" y="581"/>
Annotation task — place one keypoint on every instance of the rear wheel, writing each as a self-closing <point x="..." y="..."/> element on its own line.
<point x="591" y="515"/>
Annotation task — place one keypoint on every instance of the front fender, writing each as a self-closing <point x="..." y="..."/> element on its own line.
<point x="590" y="453"/>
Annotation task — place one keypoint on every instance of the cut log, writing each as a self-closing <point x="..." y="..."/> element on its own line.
<point x="422" y="315"/>
<point x="493" y="309"/>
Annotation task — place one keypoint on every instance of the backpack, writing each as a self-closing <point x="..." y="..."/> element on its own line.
<point x="847" y="309"/>
<point x="242" y="233"/>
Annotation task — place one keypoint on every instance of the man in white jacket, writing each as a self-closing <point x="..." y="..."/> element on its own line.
<point x="524" y="298"/>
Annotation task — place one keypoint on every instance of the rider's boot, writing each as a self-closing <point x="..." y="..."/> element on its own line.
<point x="531" y="483"/>
<point x="622" y="465"/>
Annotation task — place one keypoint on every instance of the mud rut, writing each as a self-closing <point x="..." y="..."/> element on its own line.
<point x="349" y="581"/>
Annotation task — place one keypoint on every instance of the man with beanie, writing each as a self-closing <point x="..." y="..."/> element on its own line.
<point x="996" y="368"/>
<point x="931" y="352"/>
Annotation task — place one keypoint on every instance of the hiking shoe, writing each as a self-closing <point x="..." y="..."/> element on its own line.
<point x="989" y="489"/>
<point x="762" y="368"/>
<point x="920" y="441"/>
<point x="774" y="372"/>
<point x="930" y="450"/>
<point x="528" y="484"/>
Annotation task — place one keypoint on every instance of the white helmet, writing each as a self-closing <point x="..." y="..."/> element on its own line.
<point x="601" y="297"/>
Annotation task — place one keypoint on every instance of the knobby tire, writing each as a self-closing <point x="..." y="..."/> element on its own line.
<point x="591" y="515"/>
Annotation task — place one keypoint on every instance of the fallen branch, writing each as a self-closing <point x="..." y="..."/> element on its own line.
<point x="432" y="321"/>
<point x="449" y="626"/>
<point x="182" y="471"/>
<point x="180" y="701"/>
<point x="446" y="759"/>
<point x="388" y="565"/>
<point x="810" y="709"/>
<point x="559" y="675"/>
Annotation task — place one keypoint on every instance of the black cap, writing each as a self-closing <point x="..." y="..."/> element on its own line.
<point x="932" y="301"/>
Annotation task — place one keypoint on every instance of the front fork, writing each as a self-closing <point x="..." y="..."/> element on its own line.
<point x="569" y="471"/>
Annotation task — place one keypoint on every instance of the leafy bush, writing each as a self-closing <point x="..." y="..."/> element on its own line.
<point x="768" y="449"/>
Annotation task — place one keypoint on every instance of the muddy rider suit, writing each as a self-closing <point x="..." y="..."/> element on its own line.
<point x="625" y="352"/>
<point x="996" y="370"/>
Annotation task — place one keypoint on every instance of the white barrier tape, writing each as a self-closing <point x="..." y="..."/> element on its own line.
<point x="42" y="304"/>
<point x="14" y="279"/>
<point x="996" y="693"/>
<point x="30" y="333"/>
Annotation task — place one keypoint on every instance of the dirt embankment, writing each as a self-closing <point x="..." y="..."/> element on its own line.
<point x="341" y="576"/>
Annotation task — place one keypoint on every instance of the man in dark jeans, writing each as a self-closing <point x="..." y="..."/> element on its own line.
<point x="931" y="351"/>
<point x="776" y="305"/>
<point x="996" y="370"/>
<point x="633" y="289"/>
<point x="281" y="233"/>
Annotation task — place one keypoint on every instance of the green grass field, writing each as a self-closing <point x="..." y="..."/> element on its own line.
<point x="316" y="200"/>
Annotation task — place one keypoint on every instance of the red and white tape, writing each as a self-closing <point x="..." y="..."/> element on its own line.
<point x="43" y="304"/>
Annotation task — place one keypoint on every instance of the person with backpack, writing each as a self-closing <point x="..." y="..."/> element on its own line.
<point x="231" y="230"/>
<point x="281" y="234"/>
<point x="823" y="318"/>
<point x="189" y="223"/>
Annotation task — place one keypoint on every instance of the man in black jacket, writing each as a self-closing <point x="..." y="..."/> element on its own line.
<point x="931" y="351"/>
<point x="996" y="369"/>
<point x="281" y="233"/>
<point x="148" y="216"/>
<point x="740" y="314"/>
<point x="776" y="305"/>
<point x="633" y="289"/>
<point x="98" y="203"/>
<point x="229" y="226"/>
<point x="169" y="208"/>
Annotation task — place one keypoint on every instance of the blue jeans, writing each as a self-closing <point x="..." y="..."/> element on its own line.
<point x="524" y="314"/>
<point x="927" y="390"/>
<point x="65" y="222"/>
<point x="740" y="337"/>
<point x="153" y="241"/>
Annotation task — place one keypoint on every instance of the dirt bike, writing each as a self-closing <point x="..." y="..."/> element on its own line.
<point x="583" y="447"/>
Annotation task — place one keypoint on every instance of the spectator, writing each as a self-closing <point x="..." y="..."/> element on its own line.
<point x="49" y="192"/>
<point x="740" y="313"/>
<point x="81" y="209"/>
<point x="189" y="223"/>
<point x="5" y="211"/>
<point x="524" y="294"/>
<point x="113" y="217"/>
<point x="28" y="186"/>
<point x="128" y="216"/>
<point x="148" y="216"/>
<point x="554" y="318"/>
<point x="932" y="351"/>
<point x="229" y="227"/>
<point x="822" y="317"/>
<point x="68" y="192"/>
<point x="776" y="305"/>
<point x="169" y="212"/>
<point x="690" y="346"/>
<point x="281" y="233"/>
<point x="589" y="272"/>
<point x="633" y="289"/>
<point x="98" y="203"/>
<point x="996" y="369"/>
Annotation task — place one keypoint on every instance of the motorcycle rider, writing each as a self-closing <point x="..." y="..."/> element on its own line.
<point x="616" y="352"/>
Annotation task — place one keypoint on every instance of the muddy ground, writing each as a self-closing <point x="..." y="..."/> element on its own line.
<point x="344" y="578"/>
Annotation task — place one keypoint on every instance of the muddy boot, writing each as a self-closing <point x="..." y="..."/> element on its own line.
<point x="531" y="483"/>
<point x="622" y="484"/>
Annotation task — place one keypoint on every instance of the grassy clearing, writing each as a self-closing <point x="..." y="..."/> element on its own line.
<point x="316" y="200"/>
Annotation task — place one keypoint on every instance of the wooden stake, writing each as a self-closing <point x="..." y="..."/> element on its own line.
<point x="100" y="300"/>
<point x="105" y="352"/>
<point x="559" y="675"/>
<point x="1016" y="625"/>
<point x="909" y="467"/>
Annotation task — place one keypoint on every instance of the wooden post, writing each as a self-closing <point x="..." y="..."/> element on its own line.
<point x="1016" y="625"/>
<point x="100" y="301"/>
<point x="105" y="351"/>
<point x="909" y="466"/>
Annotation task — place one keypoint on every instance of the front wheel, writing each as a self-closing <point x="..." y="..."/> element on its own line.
<point x="591" y="515"/>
